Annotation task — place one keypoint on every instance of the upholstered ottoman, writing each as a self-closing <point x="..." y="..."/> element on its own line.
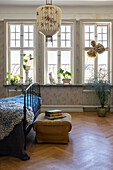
<point x="52" y="131"/>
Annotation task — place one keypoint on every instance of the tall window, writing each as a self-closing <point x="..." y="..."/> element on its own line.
<point x="20" y="40"/>
<point x="100" y="33"/>
<point x="59" y="52"/>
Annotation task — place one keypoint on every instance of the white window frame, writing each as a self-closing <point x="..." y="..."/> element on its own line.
<point x="59" y="49"/>
<point x="87" y="48"/>
<point x="21" y="48"/>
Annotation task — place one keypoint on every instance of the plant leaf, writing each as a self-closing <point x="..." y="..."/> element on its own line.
<point x="23" y="55"/>
<point x="24" y="66"/>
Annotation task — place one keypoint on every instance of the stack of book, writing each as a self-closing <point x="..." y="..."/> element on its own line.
<point x="54" y="114"/>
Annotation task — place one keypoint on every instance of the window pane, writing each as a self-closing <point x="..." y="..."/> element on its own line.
<point x="86" y="28"/>
<point x="15" y="62"/>
<point x="31" y="36"/>
<point x="52" y="65"/>
<point x="68" y="36"/>
<point x="104" y="29"/>
<point x="62" y="28"/>
<point x="63" y="36"/>
<point x="68" y="44"/>
<point x="25" y="28"/>
<point x="62" y="43"/>
<point x="86" y="36"/>
<point x="25" y="43"/>
<point x="91" y="28"/>
<point x="99" y="30"/>
<point x="87" y="44"/>
<point x="68" y="28"/>
<point x="12" y="43"/>
<point x="30" y="72"/>
<point x="12" y="35"/>
<point x="28" y="36"/>
<point x="105" y="44"/>
<point x="49" y="44"/>
<point x="25" y="35"/>
<point x="54" y="37"/>
<point x="99" y="37"/>
<point x="89" y="68"/>
<point x="92" y="36"/>
<point x="30" y="43"/>
<point x="104" y="36"/>
<point x="17" y="28"/>
<point x="12" y="28"/>
<point x="54" y="43"/>
<point x="65" y="60"/>
<point x="103" y="64"/>
<point x="17" y="43"/>
<point x="17" y="35"/>
<point x="31" y="28"/>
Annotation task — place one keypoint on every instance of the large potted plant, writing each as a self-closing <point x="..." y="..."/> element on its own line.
<point x="66" y="76"/>
<point x="102" y="89"/>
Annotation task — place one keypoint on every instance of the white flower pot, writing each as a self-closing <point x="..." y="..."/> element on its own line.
<point x="66" y="81"/>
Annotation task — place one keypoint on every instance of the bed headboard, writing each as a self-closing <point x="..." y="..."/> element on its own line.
<point x="32" y="98"/>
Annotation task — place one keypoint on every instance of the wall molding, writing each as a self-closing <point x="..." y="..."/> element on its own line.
<point x="64" y="108"/>
<point x="111" y="108"/>
<point x="72" y="108"/>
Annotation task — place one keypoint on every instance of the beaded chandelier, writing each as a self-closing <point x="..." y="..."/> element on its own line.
<point x="48" y="19"/>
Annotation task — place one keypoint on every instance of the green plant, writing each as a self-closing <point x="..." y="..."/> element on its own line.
<point x="26" y="59"/>
<point x="101" y="87"/>
<point x="65" y="74"/>
<point x="14" y="79"/>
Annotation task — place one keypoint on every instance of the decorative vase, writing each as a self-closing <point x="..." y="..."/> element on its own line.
<point x="101" y="111"/>
<point x="66" y="81"/>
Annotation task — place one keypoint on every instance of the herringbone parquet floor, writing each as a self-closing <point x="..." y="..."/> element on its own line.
<point x="90" y="148"/>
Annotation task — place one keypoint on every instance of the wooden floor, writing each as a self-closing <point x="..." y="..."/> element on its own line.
<point x="90" y="148"/>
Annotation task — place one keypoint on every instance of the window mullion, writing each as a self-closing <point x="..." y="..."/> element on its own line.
<point x="21" y="50"/>
<point x="96" y="60"/>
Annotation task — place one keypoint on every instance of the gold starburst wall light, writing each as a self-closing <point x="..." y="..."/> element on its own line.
<point x="97" y="49"/>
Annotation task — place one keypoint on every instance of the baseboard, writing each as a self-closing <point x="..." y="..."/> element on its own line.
<point x="72" y="108"/>
<point x="94" y="108"/>
<point x="64" y="108"/>
<point x="111" y="108"/>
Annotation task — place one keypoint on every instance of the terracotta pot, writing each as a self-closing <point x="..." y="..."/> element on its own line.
<point x="101" y="111"/>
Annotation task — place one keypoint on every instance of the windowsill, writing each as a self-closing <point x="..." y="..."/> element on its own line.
<point x="51" y="85"/>
<point x="61" y="85"/>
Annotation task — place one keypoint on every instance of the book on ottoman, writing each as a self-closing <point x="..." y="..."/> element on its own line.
<point x="52" y="113"/>
<point x="55" y="117"/>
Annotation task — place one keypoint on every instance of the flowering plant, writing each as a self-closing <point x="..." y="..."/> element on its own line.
<point x="27" y="60"/>
<point x="14" y="79"/>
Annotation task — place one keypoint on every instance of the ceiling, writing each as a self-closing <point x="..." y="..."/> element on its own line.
<point x="57" y="2"/>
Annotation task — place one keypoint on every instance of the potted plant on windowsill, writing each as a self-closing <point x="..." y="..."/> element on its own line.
<point x="13" y="79"/>
<point x="102" y="89"/>
<point x="66" y="75"/>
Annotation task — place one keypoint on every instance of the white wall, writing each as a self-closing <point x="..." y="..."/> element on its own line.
<point x="78" y="12"/>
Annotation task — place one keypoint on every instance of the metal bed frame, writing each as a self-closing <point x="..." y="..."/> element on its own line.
<point x="33" y="89"/>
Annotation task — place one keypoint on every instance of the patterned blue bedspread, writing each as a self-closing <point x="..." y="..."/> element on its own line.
<point x="20" y="99"/>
